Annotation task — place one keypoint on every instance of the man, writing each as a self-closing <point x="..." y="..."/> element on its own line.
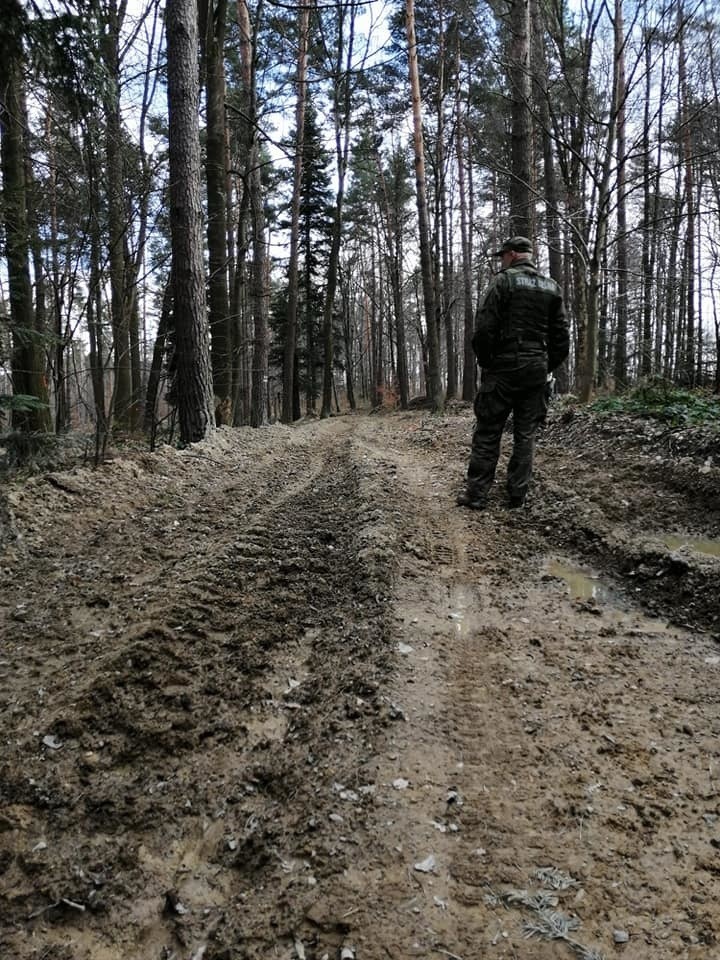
<point x="520" y="336"/>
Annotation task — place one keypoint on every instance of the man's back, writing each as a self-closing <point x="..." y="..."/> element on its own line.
<point x="522" y="315"/>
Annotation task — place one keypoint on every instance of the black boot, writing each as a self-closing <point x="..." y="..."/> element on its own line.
<point x="471" y="500"/>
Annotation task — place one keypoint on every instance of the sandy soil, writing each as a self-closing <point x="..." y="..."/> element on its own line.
<point x="276" y="696"/>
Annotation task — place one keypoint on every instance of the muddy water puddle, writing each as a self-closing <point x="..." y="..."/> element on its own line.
<point x="582" y="584"/>
<point x="464" y="603"/>
<point x="468" y="609"/>
<point x="674" y="541"/>
<point x="587" y="587"/>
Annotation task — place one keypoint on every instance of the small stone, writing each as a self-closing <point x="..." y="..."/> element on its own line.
<point x="621" y="936"/>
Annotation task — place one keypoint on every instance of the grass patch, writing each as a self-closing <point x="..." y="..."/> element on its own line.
<point x="662" y="401"/>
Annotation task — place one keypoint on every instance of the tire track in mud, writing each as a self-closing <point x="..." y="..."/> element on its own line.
<point x="98" y="563"/>
<point x="400" y="911"/>
<point x="449" y="583"/>
<point x="206" y="734"/>
<point x="339" y="676"/>
<point x="603" y="497"/>
<point x="557" y="731"/>
<point x="581" y="772"/>
<point x="621" y="503"/>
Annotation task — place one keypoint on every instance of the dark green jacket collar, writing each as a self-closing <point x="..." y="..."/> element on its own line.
<point x="519" y="266"/>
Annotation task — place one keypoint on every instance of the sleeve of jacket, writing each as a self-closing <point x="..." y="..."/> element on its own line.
<point x="558" y="342"/>
<point x="487" y="323"/>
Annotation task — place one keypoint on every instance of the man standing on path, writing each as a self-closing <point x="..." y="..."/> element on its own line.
<point x="520" y="336"/>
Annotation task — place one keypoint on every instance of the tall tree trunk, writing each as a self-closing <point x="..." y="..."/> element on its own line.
<point x="712" y="60"/>
<point x="308" y="313"/>
<point x="390" y="215"/>
<point x="132" y="311"/>
<point x="156" y="365"/>
<point x="348" y="342"/>
<point x="134" y="253"/>
<point x="342" y="97"/>
<point x="551" y="192"/>
<point x="259" y="289"/>
<point x="469" y="364"/>
<point x="122" y="406"/>
<point x="620" y="371"/>
<point x="521" y="204"/>
<point x="434" y="384"/>
<point x="329" y="306"/>
<point x="687" y="360"/>
<point x="446" y="294"/>
<point x="589" y="358"/>
<point x="259" y="298"/>
<point x="651" y="199"/>
<point x="699" y="340"/>
<point x="214" y="16"/>
<point x="375" y="319"/>
<point x="35" y="212"/>
<point x="192" y="340"/>
<point x="399" y="313"/>
<point x="289" y="358"/>
<point x="672" y="322"/>
<point x="27" y="360"/>
<point x="239" y="313"/>
<point x="442" y="268"/>
<point x="586" y="252"/>
<point x="95" y="301"/>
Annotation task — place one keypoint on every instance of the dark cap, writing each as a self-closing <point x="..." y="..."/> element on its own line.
<point x="515" y="245"/>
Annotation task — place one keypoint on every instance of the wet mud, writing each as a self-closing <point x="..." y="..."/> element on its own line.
<point x="276" y="696"/>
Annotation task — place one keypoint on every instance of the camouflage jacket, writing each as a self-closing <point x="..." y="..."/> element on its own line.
<point x="521" y="316"/>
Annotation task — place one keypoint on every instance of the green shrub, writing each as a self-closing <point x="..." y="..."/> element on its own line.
<point x="20" y="401"/>
<point x="660" y="400"/>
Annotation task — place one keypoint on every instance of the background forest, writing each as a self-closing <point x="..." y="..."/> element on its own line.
<point x="221" y="212"/>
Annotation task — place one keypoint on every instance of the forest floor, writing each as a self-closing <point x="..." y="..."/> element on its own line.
<point x="276" y="696"/>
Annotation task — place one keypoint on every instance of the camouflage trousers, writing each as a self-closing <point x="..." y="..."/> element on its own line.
<point x="498" y="397"/>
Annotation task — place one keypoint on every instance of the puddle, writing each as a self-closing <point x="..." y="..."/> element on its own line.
<point x="674" y="541"/>
<point x="581" y="584"/>
<point x="468" y="610"/>
<point x="463" y="599"/>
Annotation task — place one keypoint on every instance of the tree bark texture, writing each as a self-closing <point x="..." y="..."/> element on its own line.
<point x="621" y="331"/>
<point x="434" y="383"/>
<point x="259" y="299"/>
<point x="521" y="205"/>
<point x="342" y="93"/>
<point x="122" y="394"/>
<point x="688" y="333"/>
<point x="156" y="365"/>
<point x="289" y="367"/>
<point x="469" y="375"/>
<point x="192" y="341"/>
<point x="259" y="279"/>
<point x="27" y="359"/>
<point x="216" y="166"/>
<point x="95" y="301"/>
<point x="391" y="203"/>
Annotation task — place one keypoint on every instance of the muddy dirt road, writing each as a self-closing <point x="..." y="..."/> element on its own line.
<point x="276" y="696"/>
